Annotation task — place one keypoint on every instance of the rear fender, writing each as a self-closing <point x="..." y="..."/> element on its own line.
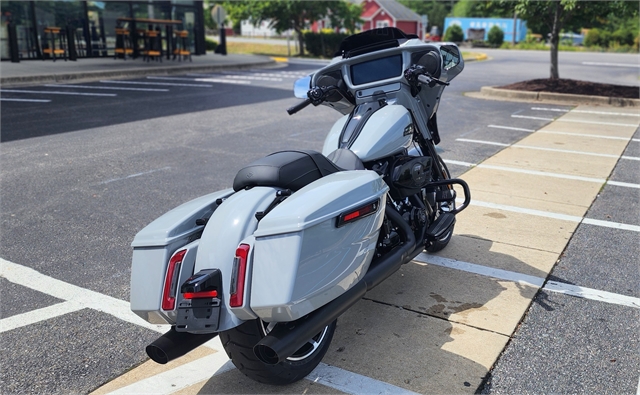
<point x="232" y="224"/>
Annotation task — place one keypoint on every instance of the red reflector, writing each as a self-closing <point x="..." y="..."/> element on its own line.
<point x="200" y="295"/>
<point x="236" y="297"/>
<point x="358" y="213"/>
<point x="170" y="281"/>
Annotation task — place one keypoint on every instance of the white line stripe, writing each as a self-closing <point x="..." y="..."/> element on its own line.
<point x="458" y="163"/>
<point x="480" y="269"/>
<point x="484" y="142"/>
<point x="597" y="136"/>
<point x="610" y="64"/>
<point x="180" y="377"/>
<point x="526" y="279"/>
<point x="59" y="93"/>
<point x="352" y="383"/>
<point x="510" y="128"/>
<point x="529" y="117"/>
<point x="564" y="151"/>
<point x="155" y="83"/>
<point x="220" y="80"/>
<point x="84" y="298"/>
<point x="635" y="125"/>
<point x="623" y="184"/>
<point x="558" y="216"/>
<point x="593" y="294"/>
<point x="30" y="278"/>
<point x="544" y="174"/>
<point x="609" y="224"/>
<point x="549" y="109"/>
<point x="636" y="140"/>
<point x="620" y="114"/>
<point x="35" y="316"/>
<point x="134" y="175"/>
<point x="107" y="87"/>
<point x="26" y="100"/>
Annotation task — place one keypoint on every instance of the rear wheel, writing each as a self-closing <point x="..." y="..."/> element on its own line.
<point x="238" y="343"/>
<point x="439" y="244"/>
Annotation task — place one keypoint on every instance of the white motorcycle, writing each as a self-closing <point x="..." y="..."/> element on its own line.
<point x="270" y="264"/>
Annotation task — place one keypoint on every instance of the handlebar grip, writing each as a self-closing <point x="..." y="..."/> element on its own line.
<point x="424" y="79"/>
<point x="298" y="107"/>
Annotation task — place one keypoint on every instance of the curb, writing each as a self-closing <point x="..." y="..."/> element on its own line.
<point x="489" y="92"/>
<point x="87" y="76"/>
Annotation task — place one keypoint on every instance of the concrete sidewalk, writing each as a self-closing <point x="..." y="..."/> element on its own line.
<point x="32" y="72"/>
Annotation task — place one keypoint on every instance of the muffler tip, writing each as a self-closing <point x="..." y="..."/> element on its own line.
<point x="155" y="353"/>
<point x="266" y="354"/>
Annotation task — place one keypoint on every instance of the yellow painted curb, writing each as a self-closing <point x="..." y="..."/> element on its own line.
<point x="279" y="59"/>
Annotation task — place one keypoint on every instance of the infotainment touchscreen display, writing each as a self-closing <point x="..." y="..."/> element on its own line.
<point x="376" y="70"/>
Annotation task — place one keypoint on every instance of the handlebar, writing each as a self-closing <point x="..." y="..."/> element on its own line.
<point x="418" y="74"/>
<point x="299" y="106"/>
<point x="315" y="96"/>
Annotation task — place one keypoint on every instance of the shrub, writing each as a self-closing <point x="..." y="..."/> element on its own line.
<point x="454" y="33"/>
<point x="495" y="37"/>
<point x="323" y="44"/>
<point x="592" y="38"/>
<point x="210" y="44"/>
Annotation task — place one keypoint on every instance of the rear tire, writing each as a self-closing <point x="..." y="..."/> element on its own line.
<point x="238" y="343"/>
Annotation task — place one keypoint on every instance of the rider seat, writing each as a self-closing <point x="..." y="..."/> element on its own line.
<point x="294" y="169"/>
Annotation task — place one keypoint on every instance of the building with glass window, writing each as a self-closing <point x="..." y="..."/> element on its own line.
<point x="86" y="29"/>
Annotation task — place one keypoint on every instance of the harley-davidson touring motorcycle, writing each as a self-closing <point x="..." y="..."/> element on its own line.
<point x="270" y="264"/>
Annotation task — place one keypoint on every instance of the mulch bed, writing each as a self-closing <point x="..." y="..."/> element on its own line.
<point x="576" y="88"/>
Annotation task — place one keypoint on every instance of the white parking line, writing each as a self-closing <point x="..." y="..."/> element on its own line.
<point x="511" y="128"/>
<point x="558" y="216"/>
<point x="35" y="316"/>
<point x="26" y="100"/>
<point x="610" y="64"/>
<point x="180" y="377"/>
<point x="635" y="125"/>
<point x="530" y="117"/>
<point x="59" y="93"/>
<point x="620" y="114"/>
<point x="219" y="80"/>
<point x="597" y="136"/>
<point x="564" y="151"/>
<point x="553" y="286"/>
<point x="542" y="173"/>
<point x="484" y="142"/>
<point x="77" y="298"/>
<point x="107" y="88"/>
<point x="155" y="83"/>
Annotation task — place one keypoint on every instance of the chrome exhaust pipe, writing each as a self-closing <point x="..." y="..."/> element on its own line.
<point x="282" y="341"/>
<point x="174" y="344"/>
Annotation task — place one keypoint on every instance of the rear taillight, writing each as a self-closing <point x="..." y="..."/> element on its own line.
<point x="171" y="281"/>
<point x="238" y="275"/>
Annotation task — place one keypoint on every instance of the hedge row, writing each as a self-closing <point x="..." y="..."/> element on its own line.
<point x="323" y="44"/>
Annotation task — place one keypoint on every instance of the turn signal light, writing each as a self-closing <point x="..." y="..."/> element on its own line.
<point x="238" y="275"/>
<point x="171" y="281"/>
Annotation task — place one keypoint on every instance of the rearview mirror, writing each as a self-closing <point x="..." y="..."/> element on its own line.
<point x="301" y="87"/>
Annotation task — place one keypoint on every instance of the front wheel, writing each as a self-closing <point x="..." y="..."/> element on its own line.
<point x="238" y="343"/>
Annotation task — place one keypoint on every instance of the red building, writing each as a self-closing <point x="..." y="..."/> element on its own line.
<point x="390" y="13"/>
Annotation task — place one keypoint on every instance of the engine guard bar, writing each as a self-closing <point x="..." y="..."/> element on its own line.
<point x="465" y="188"/>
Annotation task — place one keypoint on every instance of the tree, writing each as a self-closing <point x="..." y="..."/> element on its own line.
<point x="495" y="37"/>
<point x="293" y="14"/>
<point x="559" y="14"/>
<point x="434" y="9"/>
<point x="454" y="33"/>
